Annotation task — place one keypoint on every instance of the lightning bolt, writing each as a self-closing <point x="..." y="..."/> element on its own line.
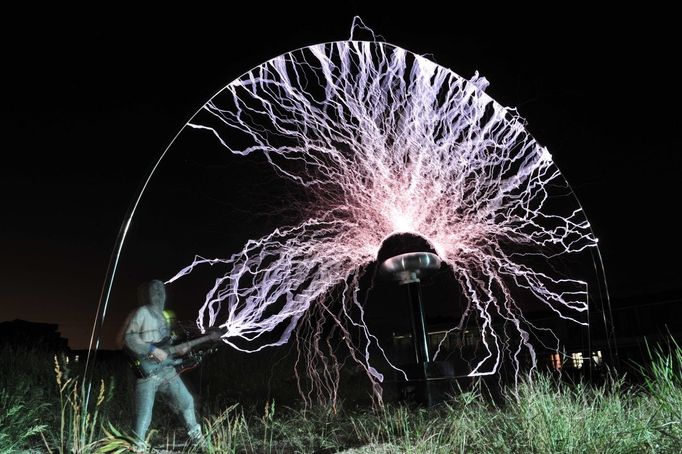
<point x="385" y="142"/>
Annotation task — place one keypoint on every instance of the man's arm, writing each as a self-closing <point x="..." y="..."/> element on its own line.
<point x="132" y="338"/>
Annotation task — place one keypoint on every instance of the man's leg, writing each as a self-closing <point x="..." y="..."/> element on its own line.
<point x="145" y="391"/>
<point x="183" y="402"/>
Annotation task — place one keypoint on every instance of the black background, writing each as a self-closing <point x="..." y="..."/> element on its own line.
<point x="92" y="98"/>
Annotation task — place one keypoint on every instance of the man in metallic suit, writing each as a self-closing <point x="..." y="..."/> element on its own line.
<point x="146" y="326"/>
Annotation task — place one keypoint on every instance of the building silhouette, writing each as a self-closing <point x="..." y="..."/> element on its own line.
<point x="22" y="333"/>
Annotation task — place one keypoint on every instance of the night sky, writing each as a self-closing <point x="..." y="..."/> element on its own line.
<point x="89" y="105"/>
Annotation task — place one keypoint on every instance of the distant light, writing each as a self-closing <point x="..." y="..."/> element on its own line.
<point x="555" y="359"/>
<point x="597" y="358"/>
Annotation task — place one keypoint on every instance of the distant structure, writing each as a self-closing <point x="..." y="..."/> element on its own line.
<point x="641" y="323"/>
<point x="22" y="333"/>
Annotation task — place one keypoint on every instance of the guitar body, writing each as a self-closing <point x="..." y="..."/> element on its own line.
<point x="146" y="366"/>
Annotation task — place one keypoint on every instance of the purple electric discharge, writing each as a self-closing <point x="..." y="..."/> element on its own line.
<point x="389" y="142"/>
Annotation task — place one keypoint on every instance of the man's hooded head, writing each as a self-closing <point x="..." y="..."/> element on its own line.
<point x="152" y="293"/>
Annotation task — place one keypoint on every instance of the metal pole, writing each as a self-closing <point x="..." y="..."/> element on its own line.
<point x="421" y="342"/>
<point x="408" y="269"/>
<point x="419" y="333"/>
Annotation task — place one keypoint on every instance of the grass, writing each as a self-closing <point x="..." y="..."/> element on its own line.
<point x="19" y="423"/>
<point x="544" y="415"/>
<point x="78" y="430"/>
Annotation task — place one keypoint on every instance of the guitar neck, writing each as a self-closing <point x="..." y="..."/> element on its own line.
<point x="191" y="344"/>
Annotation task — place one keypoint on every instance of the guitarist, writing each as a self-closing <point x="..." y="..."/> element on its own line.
<point x="146" y="326"/>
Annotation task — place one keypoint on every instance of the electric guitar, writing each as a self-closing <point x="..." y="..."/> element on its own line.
<point x="147" y="365"/>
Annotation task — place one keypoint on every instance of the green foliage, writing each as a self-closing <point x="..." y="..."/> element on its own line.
<point x="23" y="398"/>
<point x="542" y="415"/>
<point x="227" y="432"/>
<point x="116" y="441"/>
<point x="19" y="421"/>
<point x="79" y="428"/>
<point x="663" y="382"/>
